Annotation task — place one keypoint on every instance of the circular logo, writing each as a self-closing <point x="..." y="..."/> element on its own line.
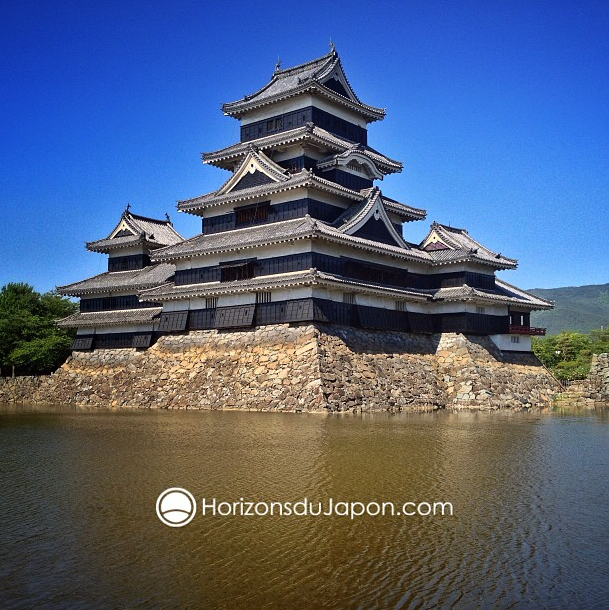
<point x="176" y="507"/>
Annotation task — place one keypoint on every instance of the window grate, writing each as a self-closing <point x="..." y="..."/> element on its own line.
<point x="263" y="297"/>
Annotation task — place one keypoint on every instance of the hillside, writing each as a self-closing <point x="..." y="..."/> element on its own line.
<point x="580" y="308"/>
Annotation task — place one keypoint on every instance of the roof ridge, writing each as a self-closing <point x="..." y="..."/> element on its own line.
<point x="147" y="218"/>
<point x="301" y="67"/>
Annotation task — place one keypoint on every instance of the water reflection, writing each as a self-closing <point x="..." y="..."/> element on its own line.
<point x="529" y="493"/>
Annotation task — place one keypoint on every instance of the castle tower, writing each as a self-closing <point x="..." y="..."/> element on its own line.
<point x="111" y="315"/>
<point x="300" y="232"/>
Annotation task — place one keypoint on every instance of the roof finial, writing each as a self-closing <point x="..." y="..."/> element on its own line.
<point x="332" y="47"/>
<point x="167" y="217"/>
<point x="127" y="207"/>
<point x="278" y="64"/>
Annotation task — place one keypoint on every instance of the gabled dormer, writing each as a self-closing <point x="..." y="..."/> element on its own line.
<point x="129" y="244"/>
<point x="255" y="169"/>
<point x="368" y="219"/>
<point x="451" y="245"/>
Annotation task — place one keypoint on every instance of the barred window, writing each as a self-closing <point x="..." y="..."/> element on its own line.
<point x="480" y="310"/>
<point x="349" y="297"/>
<point x="211" y="303"/>
<point x="252" y="214"/>
<point x="232" y="272"/>
<point x="400" y="305"/>
<point x="263" y="297"/>
<point x="515" y="339"/>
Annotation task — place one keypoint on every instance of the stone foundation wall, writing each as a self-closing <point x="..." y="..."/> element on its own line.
<point x="19" y="389"/>
<point x="591" y="392"/>
<point x="408" y="371"/>
<point x="303" y="368"/>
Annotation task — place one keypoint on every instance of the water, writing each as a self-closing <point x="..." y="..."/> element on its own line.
<point x="79" y="528"/>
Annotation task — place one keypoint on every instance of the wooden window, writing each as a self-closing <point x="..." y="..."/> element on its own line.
<point x="232" y="272"/>
<point x="515" y="339"/>
<point x="251" y="214"/>
<point x="263" y="297"/>
<point x="211" y="303"/>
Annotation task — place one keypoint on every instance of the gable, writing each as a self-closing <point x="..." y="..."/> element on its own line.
<point x="370" y="221"/>
<point x="122" y="230"/>
<point x="250" y="180"/>
<point x="256" y="169"/>
<point x="337" y="81"/>
<point x="336" y="86"/>
<point x="434" y="242"/>
<point x="376" y="230"/>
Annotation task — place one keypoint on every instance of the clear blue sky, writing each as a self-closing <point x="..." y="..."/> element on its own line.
<point x="499" y="111"/>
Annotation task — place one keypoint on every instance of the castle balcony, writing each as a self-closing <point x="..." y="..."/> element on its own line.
<point x="526" y="330"/>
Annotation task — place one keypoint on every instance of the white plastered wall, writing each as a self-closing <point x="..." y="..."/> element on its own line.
<point x="298" y="103"/>
<point x="506" y="343"/>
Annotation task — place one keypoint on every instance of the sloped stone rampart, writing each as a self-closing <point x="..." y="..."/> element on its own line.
<point x="19" y="389"/>
<point x="302" y="368"/>
<point x="591" y="392"/>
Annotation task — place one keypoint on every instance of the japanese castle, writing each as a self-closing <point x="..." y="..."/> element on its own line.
<point x="299" y="233"/>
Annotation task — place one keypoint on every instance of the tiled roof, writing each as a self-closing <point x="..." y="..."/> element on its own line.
<point x="304" y="178"/>
<point x="384" y="165"/>
<point x="354" y="211"/>
<point x="120" y="317"/>
<point x="120" y="280"/>
<point x="369" y="287"/>
<point x="309" y="277"/>
<point x="154" y="233"/>
<point x="503" y="294"/>
<point x="227" y="157"/>
<point x="274" y="171"/>
<point x="169" y="291"/>
<point x="517" y="293"/>
<point x="278" y="232"/>
<point x="305" y="77"/>
<point x="463" y="247"/>
<point x="275" y="232"/>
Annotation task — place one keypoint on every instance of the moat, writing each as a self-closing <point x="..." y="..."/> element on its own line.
<point x="79" y="486"/>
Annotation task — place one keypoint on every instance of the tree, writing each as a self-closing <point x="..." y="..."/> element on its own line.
<point x="569" y="354"/>
<point x="29" y="338"/>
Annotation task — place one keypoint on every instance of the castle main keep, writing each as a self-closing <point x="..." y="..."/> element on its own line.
<point x="300" y="241"/>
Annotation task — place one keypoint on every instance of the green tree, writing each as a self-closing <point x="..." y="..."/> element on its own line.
<point x="569" y="354"/>
<point x="29" y="338"/>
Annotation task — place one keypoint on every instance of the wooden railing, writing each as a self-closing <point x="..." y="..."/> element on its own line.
<point x="526" y="330"/>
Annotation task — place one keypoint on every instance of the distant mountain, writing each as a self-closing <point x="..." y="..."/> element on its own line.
<point x="580" y="308"/>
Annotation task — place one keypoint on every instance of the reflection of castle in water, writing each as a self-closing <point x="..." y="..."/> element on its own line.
<point x="298" y="233"/>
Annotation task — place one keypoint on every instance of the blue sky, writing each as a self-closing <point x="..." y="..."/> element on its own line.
<point x="499" y="111"/>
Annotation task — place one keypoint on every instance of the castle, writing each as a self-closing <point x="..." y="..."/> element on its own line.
<point x="299" y="233"/>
